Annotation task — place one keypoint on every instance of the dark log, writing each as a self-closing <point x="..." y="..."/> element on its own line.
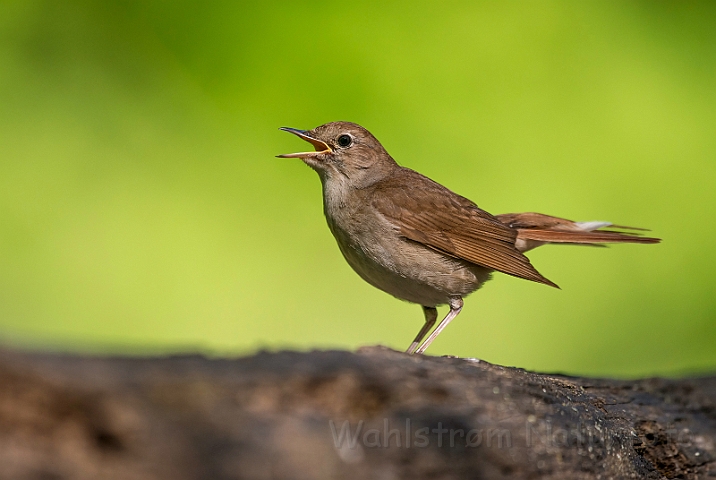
<point x="281" y="415"/>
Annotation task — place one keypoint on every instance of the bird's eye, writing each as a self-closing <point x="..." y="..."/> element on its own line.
<point x="345" y="140"/>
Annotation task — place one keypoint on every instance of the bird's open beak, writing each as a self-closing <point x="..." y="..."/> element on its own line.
<point x="321" y="147"/>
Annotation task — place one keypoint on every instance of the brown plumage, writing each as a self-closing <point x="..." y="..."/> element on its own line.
<point x="535" y="229"/>
<point x="418" y="241"/>
<point x="426" y="212"/>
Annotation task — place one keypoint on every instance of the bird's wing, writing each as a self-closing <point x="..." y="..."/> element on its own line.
<point x="428" y="213"/>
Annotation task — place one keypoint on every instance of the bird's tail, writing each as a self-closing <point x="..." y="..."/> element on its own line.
<point x="535" y="229"/>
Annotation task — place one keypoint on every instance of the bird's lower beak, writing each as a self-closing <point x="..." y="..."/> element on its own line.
<point x="321" y="147"/>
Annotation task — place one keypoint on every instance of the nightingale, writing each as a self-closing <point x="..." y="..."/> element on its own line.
<point x="415" y="239"/>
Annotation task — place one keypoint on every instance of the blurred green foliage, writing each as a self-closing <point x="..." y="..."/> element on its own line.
<point x="142" y="208"/>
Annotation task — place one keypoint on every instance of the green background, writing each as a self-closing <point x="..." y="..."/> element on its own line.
<point x="142" y="209"/>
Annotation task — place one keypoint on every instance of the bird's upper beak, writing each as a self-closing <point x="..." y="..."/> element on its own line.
<point x="321" y="147"/>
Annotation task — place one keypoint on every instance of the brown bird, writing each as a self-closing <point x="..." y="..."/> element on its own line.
<point x="418" y="241"/>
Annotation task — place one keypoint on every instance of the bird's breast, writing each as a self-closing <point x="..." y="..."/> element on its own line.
<point x="374" y="248"/>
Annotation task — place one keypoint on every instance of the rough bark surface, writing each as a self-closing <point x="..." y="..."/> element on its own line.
<point x="334" y="414"/>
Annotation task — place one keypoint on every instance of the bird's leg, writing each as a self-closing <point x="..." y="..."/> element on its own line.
<point x="455" y="307"/>
<point x="431" y="314"/>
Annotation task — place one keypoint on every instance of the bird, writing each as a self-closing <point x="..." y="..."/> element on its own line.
<point x="420" y="242"/>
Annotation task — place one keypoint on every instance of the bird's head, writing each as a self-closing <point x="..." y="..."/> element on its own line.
<point x="344" y="150"/>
